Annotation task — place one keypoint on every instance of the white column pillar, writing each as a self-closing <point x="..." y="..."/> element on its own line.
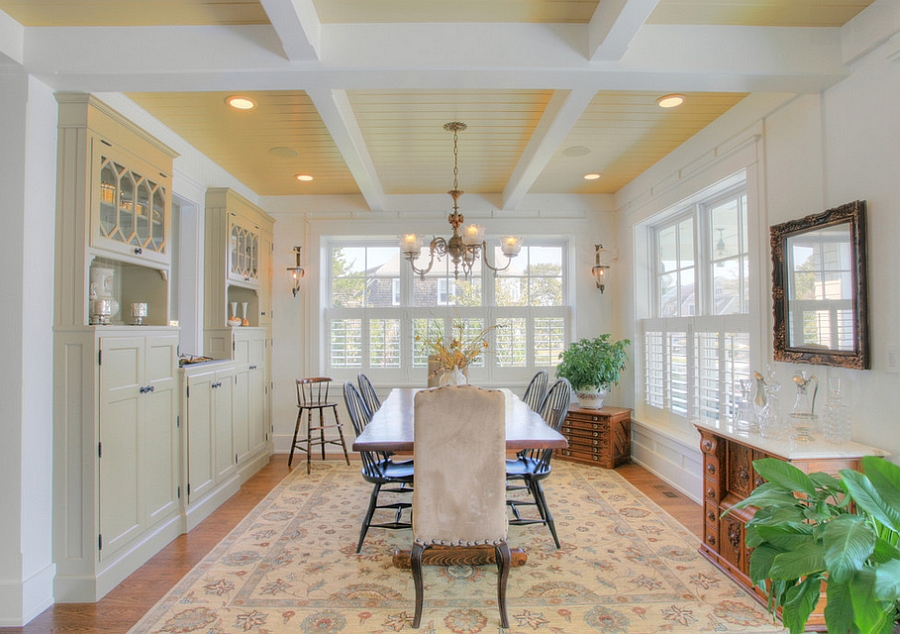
<point x="27" y="216"/>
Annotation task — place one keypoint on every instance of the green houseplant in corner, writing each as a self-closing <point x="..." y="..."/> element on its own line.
<point x="813" y="528"/>
<point x="592" y="366"/>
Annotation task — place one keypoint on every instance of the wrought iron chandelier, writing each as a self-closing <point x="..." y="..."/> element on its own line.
<point x="463" y="249"/>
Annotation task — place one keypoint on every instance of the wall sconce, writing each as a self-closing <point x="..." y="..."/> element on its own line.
<point x="600" y="270"/>
<point x="297" y="272"/>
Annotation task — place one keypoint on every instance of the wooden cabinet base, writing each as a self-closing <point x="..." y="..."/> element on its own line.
<point x="476" y="555"/>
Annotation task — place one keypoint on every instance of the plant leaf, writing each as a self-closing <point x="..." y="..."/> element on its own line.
<point x="771" y="496"/>
<point x="885" y="477"/>
<point x="884" y="551"/>
<point x="826" y="481"/>
<point x="805" y="560"/>
<point x="787" y="536"/>
<point x="849" y="540"/>
<point x="761" y="562"/>
<point x="786" y="475"/>
<point x="868" y="499"/>
<point x="801" y="601"/>
<point x="887" y="581"/>
<point x="870" y="615"/>
<point x="839" y="608"/>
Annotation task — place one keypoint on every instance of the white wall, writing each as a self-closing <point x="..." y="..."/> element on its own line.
<point x="584" y="221"/>
<point x="805" y="154"/>
<point x="28" y="136"/>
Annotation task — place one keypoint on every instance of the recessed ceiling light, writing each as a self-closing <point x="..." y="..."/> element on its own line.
<point x="592" y="176"/>
<point x="284" y="152"/>
<point x="304" y="177"/>
<point x="577" y="150"/>
<point x="670" y="101"/>
<point x="239" y="102"/>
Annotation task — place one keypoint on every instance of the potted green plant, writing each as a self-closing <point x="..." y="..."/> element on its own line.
<point x="815" y="528"/>
<point x="592" y="366"/>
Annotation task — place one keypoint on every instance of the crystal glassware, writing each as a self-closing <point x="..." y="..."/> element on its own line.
<point x="836" y="426"/>
<point x="802" y="416"/>
<point x="771" y="424"/>
<point x="745" y="417"/>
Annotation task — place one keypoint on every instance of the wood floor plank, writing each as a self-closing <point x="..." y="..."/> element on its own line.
<point x="130" y="600"/>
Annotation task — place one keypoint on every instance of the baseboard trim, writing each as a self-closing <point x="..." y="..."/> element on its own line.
<point x="670" y="458"/>
<point x="36" y="594"/>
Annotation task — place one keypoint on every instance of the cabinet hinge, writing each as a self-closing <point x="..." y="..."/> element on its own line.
<point x="99" y="449"/>
<point x="100" y="541"/>
<point x="189" y="489"/>
<point x="100" y="357"/>
<point x="232" y="346"/>
<point x="235" y="379"/>
<point x="235" y="458"/>
<point x="179" y="493"/>
<point x="178" y="421"/>
<point x="178" y="350"/>
<point x="189" y="391"/>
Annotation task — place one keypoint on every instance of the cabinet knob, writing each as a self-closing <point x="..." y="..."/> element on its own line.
<point x="711" y="468"/>
<point x="252" y="367"/>
<point x="711" y="516"/>
<point x="711" y="494"/>
<point x="138" y="250"/>
<point x="711" y="539"/>
<point x="707" y="445"/>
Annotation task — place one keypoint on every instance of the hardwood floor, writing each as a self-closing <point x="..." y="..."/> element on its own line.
<point x="125" y="605"/>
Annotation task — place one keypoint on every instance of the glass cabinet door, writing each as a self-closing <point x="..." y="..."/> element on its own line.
<point x="131" y="210"/>
<point x="244" y="254"/>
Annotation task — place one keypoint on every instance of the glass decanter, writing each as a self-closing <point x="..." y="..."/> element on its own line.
<point x="771" y="424"/>
<point x="836" y="426"/>
<point x="745" y="419"/>
<point x="802" y="417"/>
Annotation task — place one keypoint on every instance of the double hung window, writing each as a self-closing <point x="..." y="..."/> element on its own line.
<point x="379" y="313"/>
<point x="696" y="335"/>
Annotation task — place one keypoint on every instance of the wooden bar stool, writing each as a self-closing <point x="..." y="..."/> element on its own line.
<point x="312" y="394"/>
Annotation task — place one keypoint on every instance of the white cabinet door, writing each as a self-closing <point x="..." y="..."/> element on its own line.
<point x="225" y="463"/>
<point x="240" y="413"/>
<point x="256" y="403"/>
<point x="159" y="425"/>
<point x="200" y="415"/>
<point x="121" y="380"/>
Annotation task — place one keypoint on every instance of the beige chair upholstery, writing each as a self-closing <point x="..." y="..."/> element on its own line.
<point x="459" y="496"/>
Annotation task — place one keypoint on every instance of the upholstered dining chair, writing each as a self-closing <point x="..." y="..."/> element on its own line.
<point x="536" y="390"/>
<point x="532" y="466"/>
<point x="368" y="393"/>
<point x="312" y="396"/>
<point x="460" y="491"/>
<point x="378" y="469"/>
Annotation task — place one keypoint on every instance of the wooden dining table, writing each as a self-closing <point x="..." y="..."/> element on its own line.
<point x="392" y="426"/>
<point x="392" y="429"/>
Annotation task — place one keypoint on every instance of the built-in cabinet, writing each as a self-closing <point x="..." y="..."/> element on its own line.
<point x="142" y="452"/>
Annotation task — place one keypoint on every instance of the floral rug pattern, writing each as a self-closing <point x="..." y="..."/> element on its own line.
<point x="625" y="566"/>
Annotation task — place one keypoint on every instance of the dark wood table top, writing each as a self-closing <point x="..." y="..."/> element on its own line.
<point x="391" y="427"/>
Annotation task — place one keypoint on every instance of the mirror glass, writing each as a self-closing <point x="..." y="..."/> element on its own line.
<point x="819" y="288"/>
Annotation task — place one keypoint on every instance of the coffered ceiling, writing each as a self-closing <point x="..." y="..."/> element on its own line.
<point x="356" y="94"/>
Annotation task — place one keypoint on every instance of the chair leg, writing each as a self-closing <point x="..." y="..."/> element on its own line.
<point x="341" y="434"/>
<point x="503" y="565"/>
<point x="322" y="431"/>
<point x="294" y="441"/>
<point x="415" y="560"/>
<point x="548" y="516"/>
<point x="373" y="501"/>
<point x="308" y="442"/>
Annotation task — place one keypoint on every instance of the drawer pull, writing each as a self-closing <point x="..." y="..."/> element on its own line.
<point x="707" y="445"/>
<point x="711" y="494"/>
<point x="711" y="516"/>
<point x="711" y="540"/>
<point x="711" y="468"/>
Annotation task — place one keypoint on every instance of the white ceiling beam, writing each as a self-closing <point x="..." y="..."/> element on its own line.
<point x="614" y="25"/>
<point x="561" y="113"/>
<point x="337" y="114"/>
<point x="390" y="56"/>
<point x="297" y="25"/>
<point x="12" y="39"/>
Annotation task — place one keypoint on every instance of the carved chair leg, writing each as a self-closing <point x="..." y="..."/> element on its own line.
<point x="415" y="560"/>
<point x="503" y="565"/>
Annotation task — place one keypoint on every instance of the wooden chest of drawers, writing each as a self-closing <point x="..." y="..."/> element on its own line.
<point x="597" y="436"/>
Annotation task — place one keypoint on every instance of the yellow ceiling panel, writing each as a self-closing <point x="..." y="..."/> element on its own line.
<point x="803" y="13"/>
<point x="134" y="12"/>
<point x="265" y="148"/>
<point x="388" y="11"/>
<point x="412" y="153"/>
<point x="621" y="134"/>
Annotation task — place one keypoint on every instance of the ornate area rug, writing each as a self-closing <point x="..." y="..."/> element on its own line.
<point x="625" y="566"/>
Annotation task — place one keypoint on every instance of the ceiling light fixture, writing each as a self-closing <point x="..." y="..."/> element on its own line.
<point x="670" y="101"/>
<point x="304" y="177"/>
<point x="463" y="249"/>
<point x="592" y="176"/>
<point x="239" y="102"/>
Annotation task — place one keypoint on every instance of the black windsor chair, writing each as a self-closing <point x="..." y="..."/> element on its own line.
<point x="536" y="390"/>
<point x="368" y="393"/>
<point x="533" y="465"/>
<point x="379" y="469"/>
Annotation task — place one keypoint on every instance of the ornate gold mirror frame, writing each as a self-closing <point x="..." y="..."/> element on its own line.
<point x="819" y="288"/>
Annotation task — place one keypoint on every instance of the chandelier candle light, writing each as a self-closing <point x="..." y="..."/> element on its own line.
<point x="464" y="249"/>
